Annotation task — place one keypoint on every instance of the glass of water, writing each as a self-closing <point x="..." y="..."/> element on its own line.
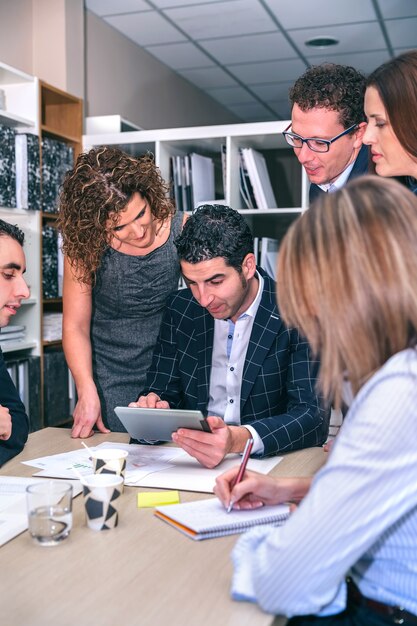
<point x="49" y="511"/>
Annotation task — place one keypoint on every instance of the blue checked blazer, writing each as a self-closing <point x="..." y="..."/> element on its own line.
<point x="277" y="393"/>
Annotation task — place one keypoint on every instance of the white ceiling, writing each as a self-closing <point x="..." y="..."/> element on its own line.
<point x="247" y="53"/>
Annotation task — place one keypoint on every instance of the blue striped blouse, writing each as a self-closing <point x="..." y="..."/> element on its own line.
<point x="359" y="517"/>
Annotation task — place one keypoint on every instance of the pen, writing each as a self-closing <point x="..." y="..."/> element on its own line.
<point x="242" y="468"/>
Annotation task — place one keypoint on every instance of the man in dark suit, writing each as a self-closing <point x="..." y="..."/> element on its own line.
<point x="14" y="423"/>
<point x="224" y="349"/>
<point x="327" y="126"/>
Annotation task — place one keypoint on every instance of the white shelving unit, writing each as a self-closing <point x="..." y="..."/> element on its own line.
<point x="288" y="178"/>
<point x="21" y="99"/>
<point x="30" y="312"/>
<point x="29" y="105"/>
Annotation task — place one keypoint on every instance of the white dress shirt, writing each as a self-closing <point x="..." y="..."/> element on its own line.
<point x="359" y="517"/>
<point x="229" y="351"/>
<point x="339" y="182"/>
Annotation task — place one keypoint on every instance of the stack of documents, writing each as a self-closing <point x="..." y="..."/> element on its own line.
<point x="52" y="326"/>
<point x="13" y="334"/>
<point x="161" y="467"/>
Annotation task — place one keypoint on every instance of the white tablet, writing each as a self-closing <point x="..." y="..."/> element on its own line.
<point x="159" y="424"/>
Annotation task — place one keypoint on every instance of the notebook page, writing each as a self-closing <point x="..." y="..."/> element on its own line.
<point x="209" y="516"/>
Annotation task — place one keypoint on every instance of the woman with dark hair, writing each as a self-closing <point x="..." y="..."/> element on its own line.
<point x="348" y="281"/>
<point x="118" y="227"/>
<point x="390" y="107"/>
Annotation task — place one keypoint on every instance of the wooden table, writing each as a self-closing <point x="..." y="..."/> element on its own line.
<point x="143" y="572"/>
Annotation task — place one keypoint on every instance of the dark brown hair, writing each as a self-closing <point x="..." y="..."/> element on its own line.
<point x="339" y="88"/>
<point x="396" y="83"/>
<point x="97" y="190"/>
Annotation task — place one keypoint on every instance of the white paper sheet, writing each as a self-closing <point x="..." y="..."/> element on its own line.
<point x="163" y="467"/>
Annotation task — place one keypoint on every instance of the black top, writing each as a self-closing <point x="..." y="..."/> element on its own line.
<point x="20" y="422"/>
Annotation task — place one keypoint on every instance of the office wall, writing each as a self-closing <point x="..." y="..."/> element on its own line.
<point x="16" y="38"/>
<point x="124" y="79"/>
<point x="58" y="44"/>
<point x="45" y="38"/>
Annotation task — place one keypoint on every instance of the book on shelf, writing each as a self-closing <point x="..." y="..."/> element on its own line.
<point x="28" y="172"/>
<point x="207" y="519"/>
<point x="257" y="170"/>
<point x="7" y="167"/>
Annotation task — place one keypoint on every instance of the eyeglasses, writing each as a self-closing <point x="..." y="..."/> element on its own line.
<point x="314" y="143"/>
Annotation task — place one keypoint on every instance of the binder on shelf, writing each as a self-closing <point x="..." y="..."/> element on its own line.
<point x="269" y="255"/>
<point x="57" y="159"/>
<point x="7" y="167"/>
<point x="28" y="172"/>
<point x="33" y="408"/>
<point x="55" y="388"/>
<point x="245" y="185"/>
<point x="26" y="376"/>
<point x="60" y="264"/>
<point x="202" y="179"/>
<point x="49" y="262"/>
<point x="258" y="174"/>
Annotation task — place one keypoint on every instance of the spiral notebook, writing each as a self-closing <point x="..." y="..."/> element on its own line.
<point x="206" y="519"/>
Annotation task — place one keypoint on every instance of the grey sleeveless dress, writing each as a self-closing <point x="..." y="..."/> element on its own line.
<point x="128" y="301"/>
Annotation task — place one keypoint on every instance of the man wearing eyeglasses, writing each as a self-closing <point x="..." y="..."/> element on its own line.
<point x="327" y="126"/>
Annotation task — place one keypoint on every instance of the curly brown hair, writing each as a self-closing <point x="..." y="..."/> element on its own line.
<point x="339" y="88"/>
<point x="97" y="190"/>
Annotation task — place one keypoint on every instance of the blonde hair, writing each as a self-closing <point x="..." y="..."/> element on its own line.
<point x="347" y="277"/>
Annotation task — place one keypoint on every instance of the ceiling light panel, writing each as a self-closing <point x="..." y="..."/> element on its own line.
<point x="146" y="28"/>
<point x="180" y="55"/>
<point x="249" y="48"/>
<point x="222" y="19"/>
<point x="294" y="14"/>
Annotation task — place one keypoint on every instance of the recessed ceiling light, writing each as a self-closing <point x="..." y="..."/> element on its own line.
<point x="321" y="42"/>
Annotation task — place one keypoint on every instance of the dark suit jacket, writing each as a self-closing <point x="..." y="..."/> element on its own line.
<point x="277" y="393"/>
<point x="20" y="421"/>
<point x="360" y="168"/>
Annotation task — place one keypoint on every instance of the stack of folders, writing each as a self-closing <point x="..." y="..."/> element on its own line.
<point x="255" y="184"/>
<point x="207" y="519"/>
<point x="193" y="180"/>
<point x="12" y="334"/>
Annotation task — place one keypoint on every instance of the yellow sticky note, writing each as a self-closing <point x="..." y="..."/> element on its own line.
<point x="157" y="498"/>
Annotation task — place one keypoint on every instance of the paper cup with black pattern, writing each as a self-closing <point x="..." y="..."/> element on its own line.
<point x="101" y="499"/>
<point x="109" y="461"/>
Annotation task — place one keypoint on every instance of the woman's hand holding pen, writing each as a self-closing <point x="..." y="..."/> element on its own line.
<point x="256" y="490"/>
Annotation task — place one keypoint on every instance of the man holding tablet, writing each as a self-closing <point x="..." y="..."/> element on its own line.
<point x="223" y="349"/>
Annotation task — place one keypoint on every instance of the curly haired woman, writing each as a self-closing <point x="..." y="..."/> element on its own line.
<point x="118" y="228"/>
